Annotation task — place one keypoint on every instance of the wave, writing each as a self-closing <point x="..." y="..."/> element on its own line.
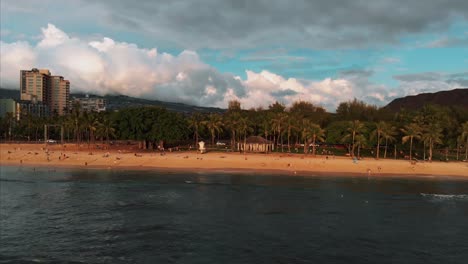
<point x="15" y="180"/>
<point x="446" y="197"/>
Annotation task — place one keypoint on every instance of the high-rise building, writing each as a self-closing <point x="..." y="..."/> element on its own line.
<point x="58" y="96"/>
<point x="38" y="86"/>
<point x="34" y="84"/>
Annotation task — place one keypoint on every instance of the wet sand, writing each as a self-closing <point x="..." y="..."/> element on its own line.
<point x="39" y="155"/>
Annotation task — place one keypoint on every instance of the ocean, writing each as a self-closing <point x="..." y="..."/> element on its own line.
<point x="142" y="216"/>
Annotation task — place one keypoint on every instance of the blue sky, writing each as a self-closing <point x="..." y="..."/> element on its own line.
<point x="320" y="51"/>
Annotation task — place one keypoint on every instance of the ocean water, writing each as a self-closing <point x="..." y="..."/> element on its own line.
<point x="104" y="216"/>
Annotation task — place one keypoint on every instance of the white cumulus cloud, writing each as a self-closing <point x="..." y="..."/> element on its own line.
<point x="107" y="66"/>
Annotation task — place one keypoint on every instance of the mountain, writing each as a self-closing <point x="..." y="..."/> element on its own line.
<point x="6" y="93"/>
<point x="115" y="102"/>
<point x="457" y="97"/>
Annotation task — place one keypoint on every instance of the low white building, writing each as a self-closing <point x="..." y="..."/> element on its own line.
<point x="91" y="104"/>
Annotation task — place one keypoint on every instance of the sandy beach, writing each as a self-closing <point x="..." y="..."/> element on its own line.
<point x="295" y="164"/>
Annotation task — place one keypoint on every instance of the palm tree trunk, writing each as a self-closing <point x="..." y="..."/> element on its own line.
<point x="386" y="146"/>
<point x="245" y="140"/>
<point x="395" y="150"/>
<point x="411" y="148"/>
<point x="424" y="150"/>
<point x="313" y="145"/>
<point x="352" y="150"/>
<point x="289" y="135"/>
<point x="430" y="150"/>
<point x="281" y="138"/>
<point x="212" y="137"/>
<point x="305" y="146"/>
<point x="233" y="139"/>
<point x="466" y="149"/>
<point x="378" y="145"/>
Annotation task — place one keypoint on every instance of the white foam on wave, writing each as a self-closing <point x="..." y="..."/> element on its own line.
<point x="446" y="197"/>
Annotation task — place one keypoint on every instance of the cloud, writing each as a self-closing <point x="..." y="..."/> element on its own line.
<point x="459" y="78"/>
<point x="423" y="76"/>
<point x="390" y="60"/>
<point x="283" y="58"/>
<point x="314" y="24"/>
<point x="109" y="67"/>
<point x="106" y="66"/>
<point x="427" y="82"/>
<point x="446" y="41"/>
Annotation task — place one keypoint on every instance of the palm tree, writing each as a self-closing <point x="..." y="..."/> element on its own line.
<point x="388" y="132"/>
<point x="459" y="141"/>
<point x="76" y="116"/>
<point x="291" y="124"/>
<point x="244" y="127"/>
<point x="277" y="123"/>
<point x="378" y="133"/>
<point x="10" y="120"/>
<point x="464" y="137"/>
<point x="214" y="125"/>
<point x="355" y="128"/>
<point x="317" y="134"/>
<point x="360" y="141"/>
<point x="232" y="121"/>
<point x="411" y="131"/>
<point x="106" y="128"/>
<point x="432" y="135"/>
<point x="195" y="122"/>
<point x="265" y="128"/>
<point x="306" y="133"/>
<point x="90" y="122"/>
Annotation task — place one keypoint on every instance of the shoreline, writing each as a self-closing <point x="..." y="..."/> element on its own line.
<point x="34" y="155"/>
<point x="249" y="172"/>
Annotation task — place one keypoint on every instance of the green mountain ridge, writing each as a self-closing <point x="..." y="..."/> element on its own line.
<point x="456" y="97"/>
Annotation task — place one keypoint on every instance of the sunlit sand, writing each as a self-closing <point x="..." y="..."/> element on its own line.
<point x="295" y="164"/>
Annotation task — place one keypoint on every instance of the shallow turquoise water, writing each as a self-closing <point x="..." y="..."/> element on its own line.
<point x="103" y="216"/>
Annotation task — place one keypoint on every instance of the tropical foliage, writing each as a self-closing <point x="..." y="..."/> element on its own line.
<point x="356" y="129"/>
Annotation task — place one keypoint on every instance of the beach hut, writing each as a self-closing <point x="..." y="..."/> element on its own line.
<point x="255" y="144"/>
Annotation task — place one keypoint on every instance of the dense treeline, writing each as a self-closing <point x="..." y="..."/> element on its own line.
<point x="303" y="127"/>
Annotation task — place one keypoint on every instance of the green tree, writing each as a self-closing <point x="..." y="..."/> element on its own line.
<point x="278" y="124"/>
<point x="411" y="131"/>
<point x="317" y="134"/>
<point x="377" y="133"/>
<point x="196" y="123"/>
<point x="214" y="125"/>
<point x="306" y="134"/>
<point x="464" y="137"/>
<point x="432" y="135"/>
<point x="90" y="122"/>
<point x="388" y="132"/>
<point x="106" y="128"/>
<point x="10" y="121"/>
<point x="76" y="116"/>
<point x="244" y="128"/>
<point x="232" y="121"/>
<point x="354" y="129"/>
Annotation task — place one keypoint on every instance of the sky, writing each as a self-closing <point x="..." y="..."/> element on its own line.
<point x="208" y="52"/>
